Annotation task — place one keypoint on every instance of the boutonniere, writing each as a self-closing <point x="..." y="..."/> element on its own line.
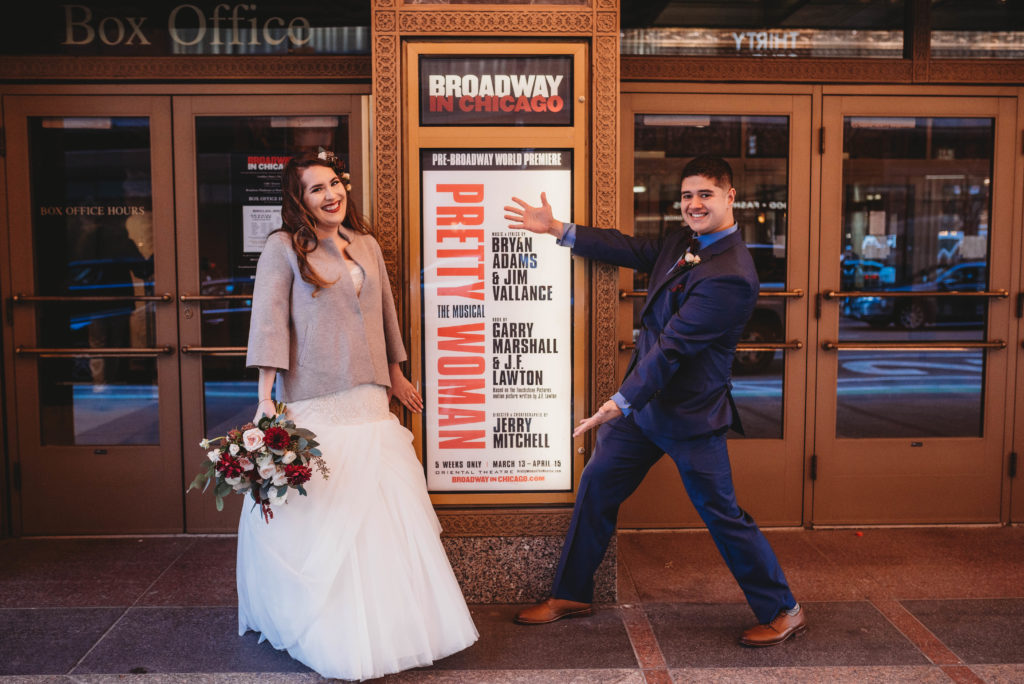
<point x="688" y="261"/>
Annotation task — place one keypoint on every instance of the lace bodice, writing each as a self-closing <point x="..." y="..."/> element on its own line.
<point x="359" y="404"/>
<point x="356" y="271"/>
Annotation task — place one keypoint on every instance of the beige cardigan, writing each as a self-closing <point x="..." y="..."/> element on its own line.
<point x="330" y="342"/>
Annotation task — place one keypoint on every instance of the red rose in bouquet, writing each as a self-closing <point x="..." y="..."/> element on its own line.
<point x="263" y="460"/>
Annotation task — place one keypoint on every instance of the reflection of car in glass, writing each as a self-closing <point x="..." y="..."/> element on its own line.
<point x="767" y="323"/>
<point x="217" y="312"/>
<point x="912" y="313"/>
<point x="862" y="274"/>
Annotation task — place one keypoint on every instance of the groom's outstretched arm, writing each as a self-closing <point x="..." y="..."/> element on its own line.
<point x="604" y="244"/>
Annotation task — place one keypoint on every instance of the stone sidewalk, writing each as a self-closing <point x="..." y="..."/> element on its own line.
<point x="927" y="604"/>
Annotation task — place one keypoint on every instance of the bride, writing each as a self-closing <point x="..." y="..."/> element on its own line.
<point x="352" y="579"/>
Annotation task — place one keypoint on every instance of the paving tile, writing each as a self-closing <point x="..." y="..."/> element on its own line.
<point x="40" y="641"/>
<point x="598" y="642"/>
<point x="74" y="593"/>
<point x="1000" y="674"/>
<point x="169" y="640"/>
<point x="592" y="676"/>
<point x="41" y="573"/>
<point x="930" y="562"/>
<point x="976" y="630"/>
<point x="686" y="566"/>
<point x="204" y="575"/>
<point x="68" y="559"/>
<point x="840" y="634"/>
<point x="812" y="675"/>
<point x="201" y="678"/>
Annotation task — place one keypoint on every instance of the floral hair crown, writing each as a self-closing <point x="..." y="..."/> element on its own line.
<point x="338" y="164"/>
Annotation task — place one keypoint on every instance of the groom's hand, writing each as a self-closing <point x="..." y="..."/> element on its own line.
<point x="534" y="219"/>
<point x="608" y="410"/>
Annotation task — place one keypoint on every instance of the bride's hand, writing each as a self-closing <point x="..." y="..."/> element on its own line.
<point x="261" y="410"/>
<point x="403" y="390"/>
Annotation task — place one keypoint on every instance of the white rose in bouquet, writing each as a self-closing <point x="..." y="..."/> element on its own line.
<point x="275" y="500"/>
<point x="280" y="478"/>
<point x="213" y="455"/>
<point x="252" y="439"/>
<point x="288" y="457"/>
<point x="232" y="480"/>
<point x="268" y="470"/>
<point x="233" y="449"/>
<point x="246" y="464"/>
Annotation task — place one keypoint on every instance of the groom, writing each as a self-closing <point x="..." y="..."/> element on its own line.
<point x="674" y="399"/>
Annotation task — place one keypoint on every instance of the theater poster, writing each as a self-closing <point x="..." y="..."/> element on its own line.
<point x="497" y="323"/>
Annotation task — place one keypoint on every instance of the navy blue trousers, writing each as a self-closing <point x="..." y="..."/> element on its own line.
<point x="622" y="457"/>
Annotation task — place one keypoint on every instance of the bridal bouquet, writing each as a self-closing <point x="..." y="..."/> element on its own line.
<point x="263" y="460"/>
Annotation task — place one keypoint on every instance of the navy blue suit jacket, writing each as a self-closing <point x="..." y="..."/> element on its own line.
<point x="679" y="379"/>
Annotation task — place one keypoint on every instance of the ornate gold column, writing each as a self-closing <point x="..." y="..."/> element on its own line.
<point x="508" y="555"/>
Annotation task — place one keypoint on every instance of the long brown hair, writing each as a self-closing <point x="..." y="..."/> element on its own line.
<point x="298" y="221"/>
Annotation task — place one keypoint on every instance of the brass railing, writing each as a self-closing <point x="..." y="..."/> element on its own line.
<point x="59" y="352"/>
<point x="837" y="294"/>
<point x="20" y="298"/>
<point x="214" y="351"/>
<point x="743" y="346"/>
<point x="634" y="294"/>
<point x="913" y="346"/>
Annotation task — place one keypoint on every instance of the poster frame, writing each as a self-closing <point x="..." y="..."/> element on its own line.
<point x="574" y="137"/>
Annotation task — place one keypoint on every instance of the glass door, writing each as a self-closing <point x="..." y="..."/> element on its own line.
<point x="94" y="335"/>
<point x="228" y="158"/>
<point x="915" y="267"/>
<point x="766" y="141"/>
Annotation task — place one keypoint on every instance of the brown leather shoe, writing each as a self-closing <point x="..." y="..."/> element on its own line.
<point x="552" y="609"/>
<point x="776" y="631"/>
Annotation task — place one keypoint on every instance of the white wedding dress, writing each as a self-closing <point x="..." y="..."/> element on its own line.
<point x="353" y="579"/>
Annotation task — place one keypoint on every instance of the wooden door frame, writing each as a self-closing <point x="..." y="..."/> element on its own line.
<point x="200" y="514"/>
<point x="658" y="501"/>
<point x="1013" y="487"/>
<point x="877" y="102"/>
<point x="22" y="385"/>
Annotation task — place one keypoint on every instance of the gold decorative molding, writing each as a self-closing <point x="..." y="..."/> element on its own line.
<point x="387" y="168"/>
<point x="975" y="71"/>
<point x="605" y="188"/>
<point x="493" y="22"/>
<point x="187" y="68"/>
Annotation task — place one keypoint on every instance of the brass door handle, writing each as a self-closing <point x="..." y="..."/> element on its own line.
<point x="838" y="294"/>
<point x="86" y="351"/>
<point x="212" y="298"/>
<point x="914" y="346"/>
<point x="214" y="351"/>
<point x="632" y="294"/>
<point x="20" y="298"/>
<point x="743" y="346"/>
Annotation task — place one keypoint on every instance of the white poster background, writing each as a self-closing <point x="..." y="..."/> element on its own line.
<point x="494" y="420"/>
<point x="257" y="223"/>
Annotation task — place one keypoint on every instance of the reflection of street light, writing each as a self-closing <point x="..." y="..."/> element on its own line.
<point x="760" y="218"/>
